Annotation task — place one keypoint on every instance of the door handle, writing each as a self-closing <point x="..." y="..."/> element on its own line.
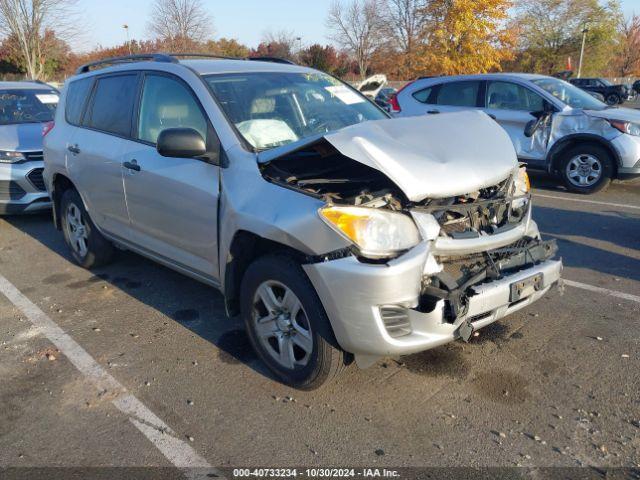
<point x="431" y="112"/>
<point x="74" y="149"/>
<point x="132" y="165"/>
<point x="492" y="116"/>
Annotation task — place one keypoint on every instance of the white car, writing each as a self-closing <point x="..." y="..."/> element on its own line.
<point x="553" y="125"/>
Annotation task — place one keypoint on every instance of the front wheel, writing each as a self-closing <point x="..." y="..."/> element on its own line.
<point x="586" y="169"/>
<point x="287" y="324"/>
<point x="88" y="247"/>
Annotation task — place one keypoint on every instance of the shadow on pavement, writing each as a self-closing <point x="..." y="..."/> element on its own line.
<point x="196" y="306"/>
<point x="618" y="229"/>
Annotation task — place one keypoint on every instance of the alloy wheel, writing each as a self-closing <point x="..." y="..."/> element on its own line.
<point x="77" y="230"/>
<point x="281" y="325"/>
<point x="584" y="170"/>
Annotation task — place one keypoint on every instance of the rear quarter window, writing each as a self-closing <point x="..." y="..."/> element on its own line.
<point x="77" y="93"/>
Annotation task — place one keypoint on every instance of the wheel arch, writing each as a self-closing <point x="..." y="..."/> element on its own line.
<point x="60" y="184"/>
<point x="562" y="145"/>
<point x="245" y="247"/>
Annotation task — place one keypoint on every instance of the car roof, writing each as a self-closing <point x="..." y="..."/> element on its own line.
<point x="25" y="86"/>
<point x="501" y="75"/>
<point x="208" y="66"/>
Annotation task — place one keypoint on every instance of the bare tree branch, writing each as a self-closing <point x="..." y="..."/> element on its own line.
<point x="180" y="22"/>
<point x="28" y="20"/>
<point x="358" y="27"/>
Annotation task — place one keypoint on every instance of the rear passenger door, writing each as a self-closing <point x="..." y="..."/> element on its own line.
<point x="96" y="149"/>
<point x="172" y="202"/>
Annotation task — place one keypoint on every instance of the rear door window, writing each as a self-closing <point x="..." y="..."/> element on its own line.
<point x="112" y="104"/>
<point x="459" y="94"/>
<point x="77" y="93"/>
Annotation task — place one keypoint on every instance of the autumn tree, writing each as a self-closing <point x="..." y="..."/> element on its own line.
<point x="35" y="29"/>
<point x="464" y="36"/>
<point x="227" y="47"/>
<point x="550" y="31"/>
<point x="357" y="27"/>
<point x="320" y="57"/>
<point x="180" y="23"/>
<point x="627" y="59"/>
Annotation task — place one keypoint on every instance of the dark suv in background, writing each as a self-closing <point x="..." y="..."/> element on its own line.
<point x="613" y="94"/>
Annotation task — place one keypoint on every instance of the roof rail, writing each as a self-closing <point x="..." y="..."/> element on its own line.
<point x="170" y="58"/>
<point x="154" y="57"/>
<point x="272" y="59"/>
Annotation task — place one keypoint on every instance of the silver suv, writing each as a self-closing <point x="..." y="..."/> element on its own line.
<point x="554" y="126"/>
<point x="26" y="108"/>
<point x="335" y="231"/>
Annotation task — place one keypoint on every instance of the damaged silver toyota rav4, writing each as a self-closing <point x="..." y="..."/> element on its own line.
<point x="336" y="232"/>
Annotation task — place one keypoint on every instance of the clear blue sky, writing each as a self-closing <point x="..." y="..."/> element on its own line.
<point x="246" y="20"/>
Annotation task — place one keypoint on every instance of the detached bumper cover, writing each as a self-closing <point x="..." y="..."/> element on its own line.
<point x="354" y="294"/>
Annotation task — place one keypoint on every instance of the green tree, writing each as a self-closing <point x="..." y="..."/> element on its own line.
<point x="550" y="32"/>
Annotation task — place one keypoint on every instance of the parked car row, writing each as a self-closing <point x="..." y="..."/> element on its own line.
<point x="613" y="94"/>
<point x="337" y="232"/>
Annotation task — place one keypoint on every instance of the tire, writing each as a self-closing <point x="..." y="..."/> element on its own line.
<point x="597" y="165"/>
<point x="321" y="359"/>
<point x="89" y="248"/>
<point x="613" y="99"/>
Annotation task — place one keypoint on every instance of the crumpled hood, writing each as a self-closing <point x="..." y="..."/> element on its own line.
<point x="432" y="156"/>
<point x="435" y="156"/>
<point x="624" y="114"/>
<point x="22" y="137"/>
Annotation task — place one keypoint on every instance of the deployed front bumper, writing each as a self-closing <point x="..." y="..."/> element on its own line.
<point x="360" y="298"/>
<point x="22" y="189"/>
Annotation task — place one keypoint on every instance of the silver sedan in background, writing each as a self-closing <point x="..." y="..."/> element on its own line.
<point x="26" y="110"/>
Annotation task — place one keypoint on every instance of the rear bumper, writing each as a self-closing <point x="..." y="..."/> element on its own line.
<point x="356" y="295"/>
<point x="22" y="189"/>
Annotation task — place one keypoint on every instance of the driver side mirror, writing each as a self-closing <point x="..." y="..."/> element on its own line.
<point x="181" y="143"/>
<point x="531" y="127"/>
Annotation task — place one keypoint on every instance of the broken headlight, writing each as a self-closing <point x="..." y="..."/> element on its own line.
<point x="521" y="187"/>
<point x="377" y="233"/>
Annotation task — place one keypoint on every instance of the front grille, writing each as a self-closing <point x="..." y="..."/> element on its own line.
<point x="33" y="156"/>
<point x="35" y="177"/>
<point x="10" y="190"/>
<point x="396" y="320"/>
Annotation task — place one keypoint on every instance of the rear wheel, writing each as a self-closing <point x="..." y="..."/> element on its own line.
<point x="586" y="168"/>
<point x="287" y="324"/>
<point x="88" y="247"/>
<point x="613" y="99"/>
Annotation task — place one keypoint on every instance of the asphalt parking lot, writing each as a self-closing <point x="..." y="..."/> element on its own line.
<point x="148" y="371"/>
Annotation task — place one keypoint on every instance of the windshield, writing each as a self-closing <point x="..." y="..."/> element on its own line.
<point x="27" y="106"/>
<point x="569" y="95"/>
<point x="273" y="109"/>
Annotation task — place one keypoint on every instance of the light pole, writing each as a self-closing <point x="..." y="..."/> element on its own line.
<point x="126" y="29"/>
<point x="584" y="38"/>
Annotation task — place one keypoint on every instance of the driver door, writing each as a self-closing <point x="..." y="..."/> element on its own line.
<point x="511" y="105"/>
<point x="172" y="202"/>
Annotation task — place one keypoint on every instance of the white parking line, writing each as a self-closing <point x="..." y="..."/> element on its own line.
<point x="605" y="291"/>
<point x="177" y="451"/>
<point x="581" y="200"/>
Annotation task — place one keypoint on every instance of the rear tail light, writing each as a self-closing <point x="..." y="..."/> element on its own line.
<point x="47" y="127"/>
<point x="395" y="106"/>
<point x="393" y="101"/>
